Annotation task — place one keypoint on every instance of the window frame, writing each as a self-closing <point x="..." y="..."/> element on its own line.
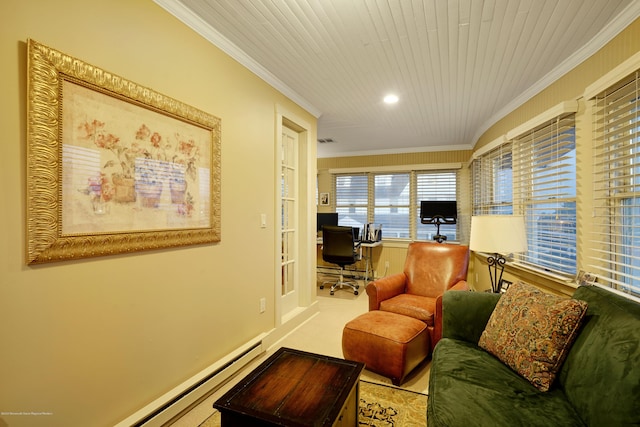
<point x="488" y="181"/>
<point x="616" y="183"/>
<point x="412" y="209"/>
<point x="545" y="186"/>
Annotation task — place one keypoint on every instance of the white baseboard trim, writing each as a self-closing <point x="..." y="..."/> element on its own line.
<point x="176" y="401"/>
<point x="289" y="323"/>
<point x="181" y="398"/>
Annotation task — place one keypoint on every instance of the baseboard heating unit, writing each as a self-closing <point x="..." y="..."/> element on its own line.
<point x="176" y="401"/>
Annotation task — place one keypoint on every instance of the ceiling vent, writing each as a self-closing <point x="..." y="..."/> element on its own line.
<point x="326" y="140"/>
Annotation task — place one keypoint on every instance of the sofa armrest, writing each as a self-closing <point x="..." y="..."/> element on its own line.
<point x="437" y="318"/>
<point x="385" y="288"/>
<point x="465" y="314"/>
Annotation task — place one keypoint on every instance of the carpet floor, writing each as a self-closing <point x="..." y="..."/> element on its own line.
<point x="321" y="334"/>
<point x="380" y="406"/>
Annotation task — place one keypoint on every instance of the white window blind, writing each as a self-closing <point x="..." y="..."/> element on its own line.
<point x="391" y="204"/>
<point x="393" y="200"/>
<point x="616" y="150"/>
<point x="544" y="161"/>
<point x="493" y="182"/>
<point x="352" y="199"/>
<point x="438" y="186"/>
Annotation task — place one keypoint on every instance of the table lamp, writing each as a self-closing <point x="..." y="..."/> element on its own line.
<point x="497" y="235"/>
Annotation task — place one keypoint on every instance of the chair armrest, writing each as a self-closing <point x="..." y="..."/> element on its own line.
<point x="437" y="318"/>
<point x="385" y="288"/>
<point x="460" y="286"/>
<point x="465" y="314"/>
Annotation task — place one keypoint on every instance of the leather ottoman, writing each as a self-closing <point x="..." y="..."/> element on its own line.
<point x="387" y="343"/>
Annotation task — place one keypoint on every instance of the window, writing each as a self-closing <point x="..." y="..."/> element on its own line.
<point x="352" y="199"/>
<point x="391" y="204"/>
<point x="393" y="200"/>
<point x="438" y="185"/>
<point x="493" y="182"/>
<point x="545" y="190"/>
<point x="616" y="150"/>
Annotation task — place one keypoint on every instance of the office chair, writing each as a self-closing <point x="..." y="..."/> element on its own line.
<point x="340" y="247"/>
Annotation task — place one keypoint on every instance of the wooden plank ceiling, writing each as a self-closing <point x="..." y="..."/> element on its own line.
<point x="458" y="66"/>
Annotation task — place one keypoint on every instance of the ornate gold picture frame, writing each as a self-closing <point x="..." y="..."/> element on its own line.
<point x="114" y="167"/>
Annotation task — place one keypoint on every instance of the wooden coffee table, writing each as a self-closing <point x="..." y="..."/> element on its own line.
<point x="294" y="388"/>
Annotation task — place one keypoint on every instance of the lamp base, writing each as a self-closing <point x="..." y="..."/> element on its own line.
<point x="495" y="274"/>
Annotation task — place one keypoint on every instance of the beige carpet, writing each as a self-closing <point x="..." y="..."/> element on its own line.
<point x="321" y="334"/>
<point x="380" y="406"/>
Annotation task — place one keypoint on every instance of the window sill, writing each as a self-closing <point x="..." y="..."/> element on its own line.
<point x="555" y="282"/>
<point x="559" y="278"/>
<point x="404" y="243"/>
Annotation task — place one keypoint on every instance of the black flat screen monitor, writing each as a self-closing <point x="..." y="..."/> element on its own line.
<point x="327" y="218"/>
<point x="446" y="210"/>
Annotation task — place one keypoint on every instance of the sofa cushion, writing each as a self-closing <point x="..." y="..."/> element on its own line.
<point x="470" y="387"/>
<point x="467" y="314"/>
<point x="601" y="374"/>
<point x="532" y="332"/>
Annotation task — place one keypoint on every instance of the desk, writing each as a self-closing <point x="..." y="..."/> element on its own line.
<point x="295" y="388"/>
<point x="367" y="254"/>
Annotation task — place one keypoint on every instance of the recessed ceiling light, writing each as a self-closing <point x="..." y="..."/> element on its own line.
<point x="391" y="99"/>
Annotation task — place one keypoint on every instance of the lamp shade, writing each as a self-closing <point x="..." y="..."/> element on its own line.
<point x="498" y="234"/>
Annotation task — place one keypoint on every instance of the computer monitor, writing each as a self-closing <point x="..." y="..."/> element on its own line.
<point x="444" y="211"/>
<point x="438" y="212"/>
<point x="326" y="218"/>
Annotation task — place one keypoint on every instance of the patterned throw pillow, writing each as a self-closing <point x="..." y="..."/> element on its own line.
<point x="532" y="331"/>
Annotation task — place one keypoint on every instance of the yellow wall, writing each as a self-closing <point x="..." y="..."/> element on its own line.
<point x="92" y="341"/>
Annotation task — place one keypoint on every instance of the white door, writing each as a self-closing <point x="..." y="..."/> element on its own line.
<point x="289" y="200"/>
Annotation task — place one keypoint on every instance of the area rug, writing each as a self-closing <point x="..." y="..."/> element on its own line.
<point x="380" y="406"/>
<point x="387" y="406"/>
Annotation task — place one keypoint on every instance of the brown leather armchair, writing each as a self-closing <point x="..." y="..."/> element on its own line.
<point x="430" y="269"/>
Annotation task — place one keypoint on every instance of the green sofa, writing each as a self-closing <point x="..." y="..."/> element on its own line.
<point x="598" y="384"/>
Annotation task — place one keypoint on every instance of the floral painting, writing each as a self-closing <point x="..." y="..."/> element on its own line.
<point x="127" y="168"/>
<point x="114" y="167"/>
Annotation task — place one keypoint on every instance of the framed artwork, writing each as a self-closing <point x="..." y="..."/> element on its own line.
<point x="324" y="199"/>
<point x="504" y="285"/>
<point x="114" y="167"/>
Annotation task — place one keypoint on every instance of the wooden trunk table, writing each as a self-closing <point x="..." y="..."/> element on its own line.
<point x="294" y="388"/>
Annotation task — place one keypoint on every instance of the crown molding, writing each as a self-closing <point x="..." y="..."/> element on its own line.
<point x="615" y="27"/>
<point x="407" y="150"/>
<point x="197" y="24"/>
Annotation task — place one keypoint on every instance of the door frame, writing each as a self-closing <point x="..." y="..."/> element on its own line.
<point x="307" y="171"/>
